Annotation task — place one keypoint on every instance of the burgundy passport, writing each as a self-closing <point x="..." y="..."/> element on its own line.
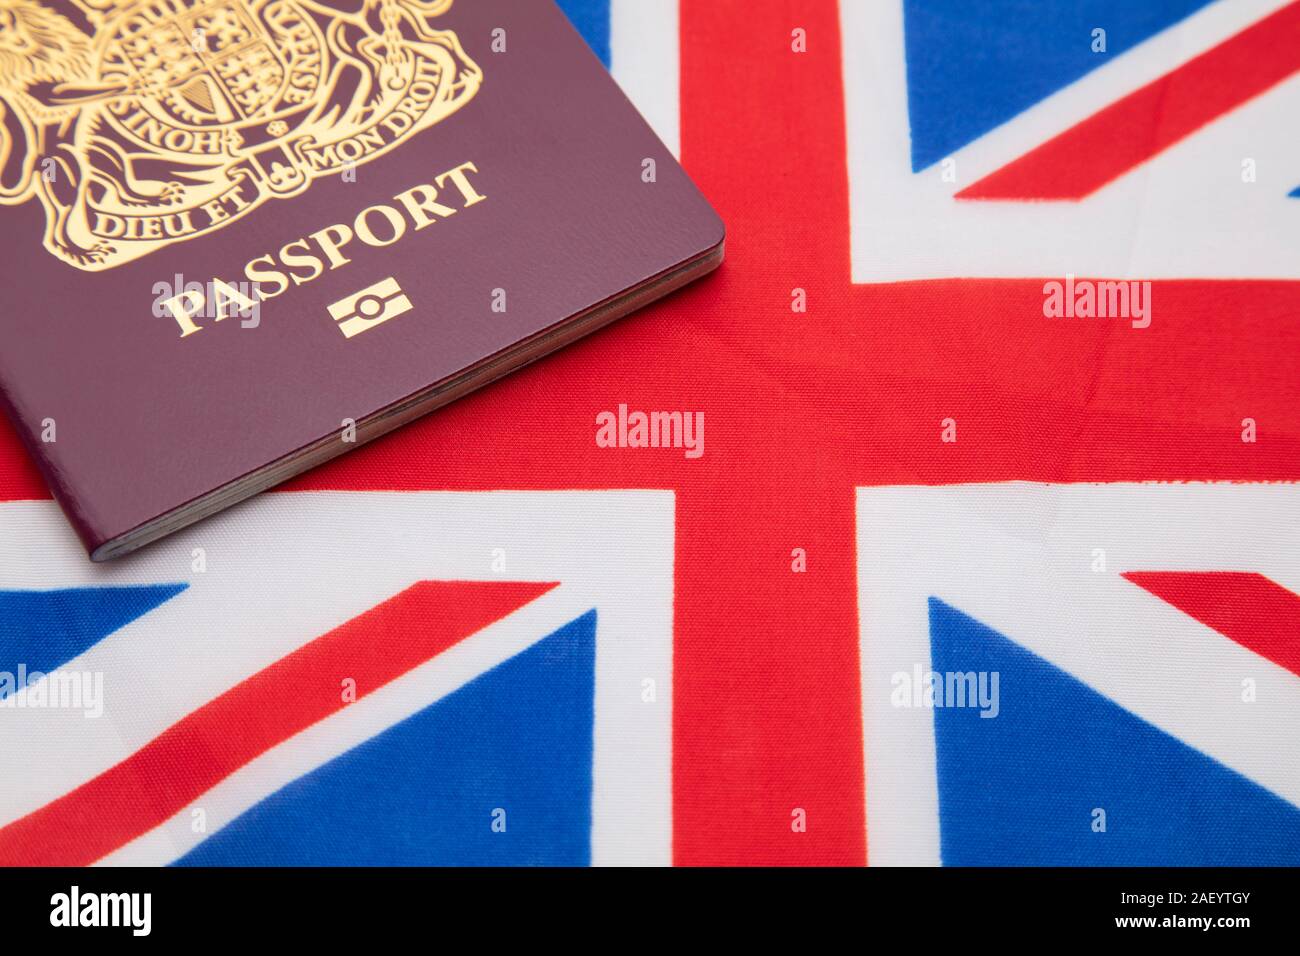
<point x="244" y="236"/>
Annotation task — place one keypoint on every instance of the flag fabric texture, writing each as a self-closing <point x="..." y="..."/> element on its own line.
<point x="991" y="555"/>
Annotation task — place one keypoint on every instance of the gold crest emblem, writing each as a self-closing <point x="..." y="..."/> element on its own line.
<point x="169" y="119"/>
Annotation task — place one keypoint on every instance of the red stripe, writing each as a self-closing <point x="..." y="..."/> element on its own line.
<point x="1257" y="613"/>
<point x="192" y="756"/>
<point x="767" y="718"/>
<point x="1131" y="131"/>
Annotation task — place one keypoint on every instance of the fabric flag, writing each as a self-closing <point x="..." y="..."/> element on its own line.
<point x="989" y="555"/>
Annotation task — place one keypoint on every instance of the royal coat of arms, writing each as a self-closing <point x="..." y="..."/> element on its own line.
<point x="157" y="121"/>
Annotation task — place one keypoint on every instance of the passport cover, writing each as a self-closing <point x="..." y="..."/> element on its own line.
<point x="242" y="232"/>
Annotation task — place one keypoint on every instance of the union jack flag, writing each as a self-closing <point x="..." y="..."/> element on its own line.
<point x="953" y="582"/>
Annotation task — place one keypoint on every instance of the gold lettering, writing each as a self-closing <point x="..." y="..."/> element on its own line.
<point x="397" y="123"/>
<point x="237" y="198"/>
<point x="226" y="294"/>
<point x="258" y="276"/>
<point x="291" y="260"/>
<point x="331" y="239"/>
<point x="303" y="260"/>
<point x="471" y="195"/>
<point x="183" y="308"/>
<point x="214" y="210"/>
<point x="367" y="235"/>
<point x="423" y="210"/>
<point x="108" y="226"/>
<point x="349" y="150"/>
<point x="178" y="224"/>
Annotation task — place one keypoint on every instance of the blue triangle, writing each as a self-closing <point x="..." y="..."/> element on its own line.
<point x="517" y="738"/>
<point x="591" y="18"/>
<point x="1020" y="788"/>
<point x="42" y="630"/>
<point x="973" y="66"/>
<point x="1295" y="193"/>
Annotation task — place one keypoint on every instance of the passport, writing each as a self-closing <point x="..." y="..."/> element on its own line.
<point x="246" y="236"/>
